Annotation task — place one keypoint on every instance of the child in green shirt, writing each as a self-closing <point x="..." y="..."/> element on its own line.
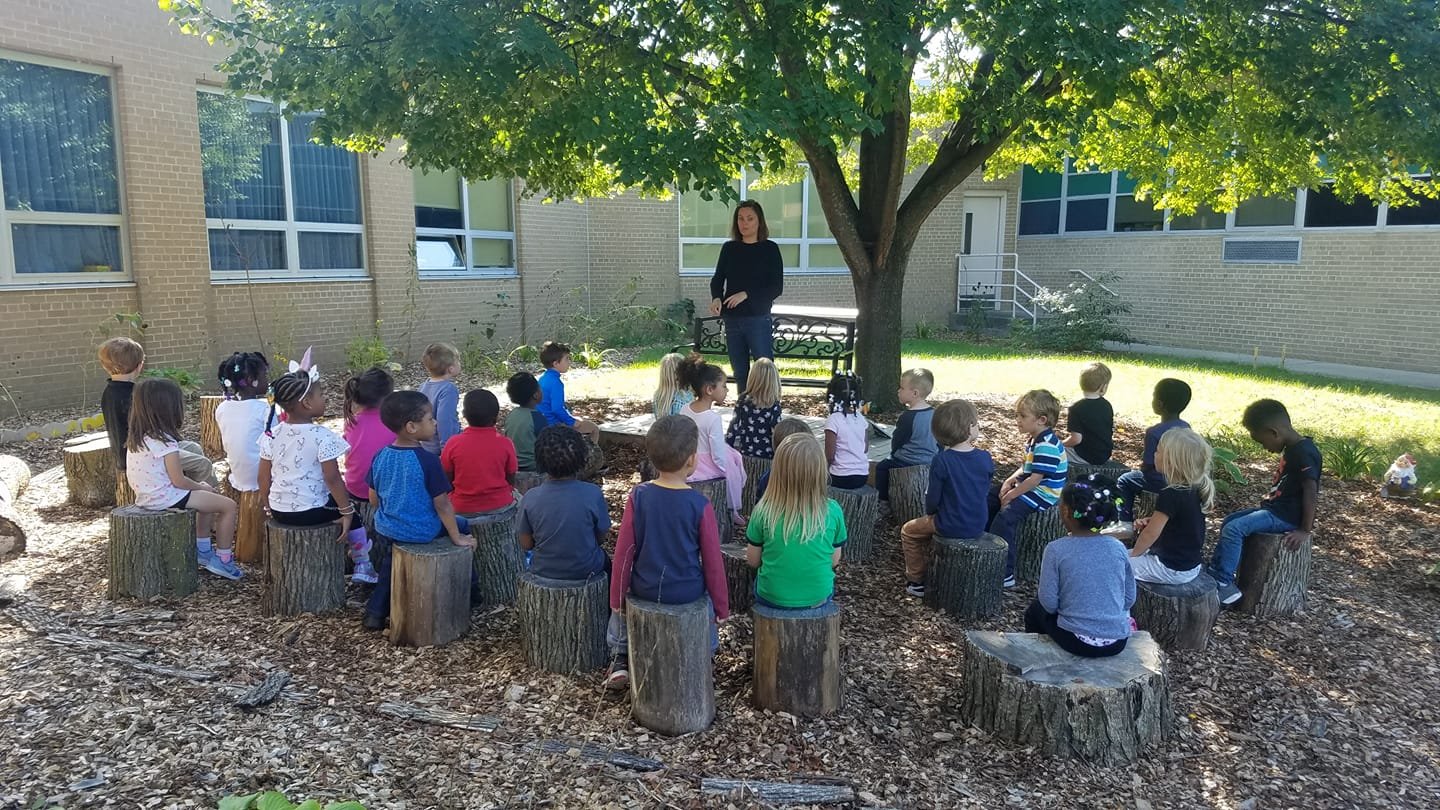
<point x="796" y="532"/>
<point x="524" y="422"/>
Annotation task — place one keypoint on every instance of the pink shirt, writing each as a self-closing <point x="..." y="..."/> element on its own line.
<point x="366" y="438"/>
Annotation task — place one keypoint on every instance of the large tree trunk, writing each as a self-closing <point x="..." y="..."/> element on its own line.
<point x="1178" y="617"/>
<point x="878" y="330"/>
<point x="14" y="477"/>
<point x="152" y="553"/>
<point x="429" y="593"/>
<point x="907" y="492"/>
<point x="718" y="492"/>
<point x="739" y="577"/>
<point x="861" y="508"/>
<point x="672" y="674"/>
<point x="754" y="468"/>
<point x="497" y="558"/>
<point x="1033" y="534"/>
<point x="304" y="570"/>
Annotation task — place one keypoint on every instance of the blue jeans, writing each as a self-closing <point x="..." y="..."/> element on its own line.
<point x="882" y="476"/>
<point x="746" y="337"/>
<point x="1004" y="521"/>
<point x="1233" y="530"/>
<point x="1133" y="483"/>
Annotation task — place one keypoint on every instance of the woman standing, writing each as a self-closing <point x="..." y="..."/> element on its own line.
<point x="749" y="276"/>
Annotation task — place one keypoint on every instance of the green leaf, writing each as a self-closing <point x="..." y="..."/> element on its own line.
<point x="238" y="802"/>
<point x="273" y="800"/>
<point x="308" y="804"/>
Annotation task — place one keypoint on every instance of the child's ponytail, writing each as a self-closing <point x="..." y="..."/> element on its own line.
<point x="1093" y="501"/>
<point x="697" y="374"/>
<point x="366" y="390"/>
<point x="843" y="393"/>
<point x="242" y="375"/>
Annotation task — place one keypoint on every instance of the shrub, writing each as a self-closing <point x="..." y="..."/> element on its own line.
<point x="1224" y="471"/>
<point x="1082" y="317"/>
<point x="588" y="355"/>
<point x="924" y="330"/>
<point x="623" y="322"/>
<point x="1235" y="440"/>
<point x="275" y="800"/>
<point x="975" y="319"/>
<point x="364" y="352"/>
<point x="1349" y="458"/>
<point x="188" y="381"/>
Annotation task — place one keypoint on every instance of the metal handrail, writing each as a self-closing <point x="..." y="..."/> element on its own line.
<point x="1092" y="280"/>
<point x="1007" y="293"/>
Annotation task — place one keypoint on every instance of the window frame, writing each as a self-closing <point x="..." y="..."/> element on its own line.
<point x="10" y="275"/>
<point x="804" y="242"/>
<point x="469" y="235"/>
<point x="290" y="226"/>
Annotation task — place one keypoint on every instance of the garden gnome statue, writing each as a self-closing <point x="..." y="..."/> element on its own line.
<point x="1400" y="480"/>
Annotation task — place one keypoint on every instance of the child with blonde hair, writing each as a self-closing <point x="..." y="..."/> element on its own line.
<point x="1167" y="550"/>
<point x="443" y="362"/>
<point x="796" y="533"/>
<point x="757" y="412"/>
<point x="1036" y="485"/>
<point x="672" y="393"/>
<point x="714" y="458"/>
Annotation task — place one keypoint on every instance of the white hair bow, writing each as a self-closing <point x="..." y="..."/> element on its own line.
<point x="305" y="365"/>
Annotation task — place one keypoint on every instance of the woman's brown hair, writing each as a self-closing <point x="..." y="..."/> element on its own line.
<point x="156" y="412"/>
<point x="762" y="233"/>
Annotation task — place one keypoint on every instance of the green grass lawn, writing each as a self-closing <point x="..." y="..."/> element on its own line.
<point x="1390" y="418"/>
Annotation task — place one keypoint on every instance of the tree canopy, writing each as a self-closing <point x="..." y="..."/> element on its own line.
<point x="1201" y="101"/>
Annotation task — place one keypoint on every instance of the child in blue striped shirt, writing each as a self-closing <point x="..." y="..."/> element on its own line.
<point x="1036" y="485"/>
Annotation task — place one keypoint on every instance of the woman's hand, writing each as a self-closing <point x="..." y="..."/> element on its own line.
<point x="714" y="306"/>
<point x="736" y="299"/>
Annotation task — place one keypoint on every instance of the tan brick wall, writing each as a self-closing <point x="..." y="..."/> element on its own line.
<point x="553" y="259"/>
<point x="48" y="340"/>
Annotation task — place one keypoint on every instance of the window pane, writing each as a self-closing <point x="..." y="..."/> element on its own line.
<point x="1038" y="185"/>
<point x="1136" y="215"/>
<point x="437" y="200"/>
<point x="826" y="257"/>
<point x="1086" y="215"/>
<point x="439" y="253"/>
<point x="1205" y="218"/>
<point x="1265" y="211"/>
<point x="236" y="249"/>
<point x="789" y="255"/>
<point x="702" y="218"/>
<point x="57" y="143"/>
<point x="1124" y="183"/>
<point x="1085" y="184"/>
<point x="1323" y="209"/>
<point x="240" y="158"/>
<point x="699" y="257"/>
<point x="1040" y="217"/>
<point x="330" y="251"/>
<point x="1426" y="213"/>
<point x="326" y="178"/>
<point x="491" y="253"/>
<point x="490" y="205"/>
<point x="783" y="213"/>
<point x="66" y="249"/>
<point x="815" y="224"/>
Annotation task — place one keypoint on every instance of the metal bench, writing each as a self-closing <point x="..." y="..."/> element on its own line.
<point x="799" y="333"/>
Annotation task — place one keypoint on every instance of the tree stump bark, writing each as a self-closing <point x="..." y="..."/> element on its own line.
<point x="562" y="622"/>
<point x="966" y="577"/>
<point x="1024" y="690"/>
<point x="124" y="495"/>
<point x="1110" y="469"/>
<point x="210" y="441"/>
<point x="1178" y="617"/>
<point x="739" y="576"/>
<point x="497" y="558"/>
<point x="672" y="672"/>
<point x="304" y="569"/>
<point x="797" y="660"/>
<point x="250" y="523"/>
<point x="152" y="553"/>
<point x="527" y="480"/>
<point x="1033" y="534"/>
<point x="90" y="470"/>
<point x="429" y="593"/>
<point x="754" y="468"/>
<point x="862" y="508"/>
<point x="719" y="494"/>
<point x="907" y="492"/>
<point x="1272" y="579"/>
<point x="14" y="477"/>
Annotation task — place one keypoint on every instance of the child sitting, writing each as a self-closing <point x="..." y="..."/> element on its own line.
<point x="668" y="550"/>
<point x="1086" y="589"/>
<point x="124" y="360"/>
<point x="564" y="519"/>
<point x="1168" y="548"/>
<point x="955" y="500"/>
<point x="241" y="417"/>
<point x="443" y="362"/>
<point x="480" y="462"/>
<point x="757" y="412"/>
<point x="1091" y="420"/>
<point x="1288" y="508"/>
<point x="796" y="533"/>
<point x="1171" y="397"/>
<point x="364" y="432"/>
<point x="556" y="359"/>
<point x="715" y="458"/>
<point x="788" y="426"/>
<point x="847" y="433"/>
<point x="912" y="443"/>
<point x="153" y="469"/>
<point x="523" y="423"/>
<point x="409" y="493"/>
<point x="1036" y="484"/>
<point x="300" y="480"/>
<point x="672" y="394"/>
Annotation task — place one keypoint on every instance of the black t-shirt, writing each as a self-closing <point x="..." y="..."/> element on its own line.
<point x="1300" y="461"/>
<point x="115" y="407"/>
<point x="1094" y="420"/>
<point x="1183" y="537"/>
<point x="755" y="269"/>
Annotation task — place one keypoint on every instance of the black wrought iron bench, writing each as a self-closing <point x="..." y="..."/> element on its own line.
<point x="799" y="333"/>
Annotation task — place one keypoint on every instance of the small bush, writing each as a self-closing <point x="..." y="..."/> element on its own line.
<point x="1235" y="440"/>
<point x="364" y="352"/>
<point x="1083" y="316"/>
<point x="924" y="330"/>
<point x="976" y="320"/>
<point x="588" y="355"/>
<point x="275" y="800"/>
<point x="623" y="322"/>
<point x="1224" y="471"/>
<point x="188" y="381"/>
<point x="480" y="357"/>
<point x="1349" y="458"/>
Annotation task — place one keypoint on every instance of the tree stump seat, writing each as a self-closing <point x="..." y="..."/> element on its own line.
<point x="966" y="576"/>
<point x="1032" y="535"/>
<point x="1178" y="617"/>
<point x="526" y="480"/>
<point x="907" y="492"/>
<point x="211" y="443"/>
<point x="152" y="553"/>
<point x="718" y="492"/>
<point x="1024" y="690"/>
<point x="1271" y="577"/>
<point x="562" y="622"/>
<point x="797" y="660"/>
<point x="755" y="467"/>
<point x="89" y="470"/>
<point x="429" y="593"/>
<point x="672" y="671"/>
<point x="304" y="569"/>
<point x="1110" y="469"/>
<point x="739" y="577"/>
<point x="862" y="508"/>
<point x="250" y="522"/>
<point x="497" y="555"/>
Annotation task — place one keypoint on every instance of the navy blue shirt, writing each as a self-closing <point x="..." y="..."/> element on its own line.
<point x="1152" y="442"/>
<point x="408" y="480"/>
<point x="959" y="485"/>
<point x="1300" y="461"/>
<point x="667" y="525"/>
<point x="1180" y="542"/>
<point x="565" y="517"/>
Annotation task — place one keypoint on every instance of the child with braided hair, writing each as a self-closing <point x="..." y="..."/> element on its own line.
<point x="564" y="519"/>
<point x="1086" y="588"/>
<point x="245" y="376"/>
<point x="847" y="433"/>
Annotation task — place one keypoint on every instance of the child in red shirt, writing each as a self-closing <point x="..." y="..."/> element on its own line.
<point x="481" y="463"/>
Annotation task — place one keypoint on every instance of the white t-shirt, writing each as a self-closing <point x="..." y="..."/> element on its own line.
<point x="145" y="469"/>
<point x="849" y="430"/>
<point x="296" y="453"/>
<point x="241" y="423"/>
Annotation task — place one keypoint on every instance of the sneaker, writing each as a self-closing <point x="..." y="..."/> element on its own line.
<point x="1229" y="594"/>
<point x="203" y="558"/>
<point x="1120" y="530"/>
<point x="915" y="589"/>
<point x="618" y="680"/>
<point x="374" y="621"/>
<point x="364" y="571"/>
<point x="1009" y="581"/>
<point x="220" y="568"/>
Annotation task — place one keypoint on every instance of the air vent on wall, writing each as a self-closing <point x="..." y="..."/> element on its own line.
<point x="1280" y="250"/>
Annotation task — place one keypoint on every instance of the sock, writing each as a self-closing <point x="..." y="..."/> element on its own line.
<point x="225" y="554"/>
<point x="202" y="545"/>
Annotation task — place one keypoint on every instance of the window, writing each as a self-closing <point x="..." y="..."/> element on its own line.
<point x="792" y="213"/>
<point x="1324" y="210"/>
<point x="1132" y="214"/>
<point x="1039" y="202"/>
<point x="1260" y="212"/>
<point x="1427" y="212"/>
<point x="276" y="205"/>
<point x="61" y="221"/>
<point x="463" y="228"/>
